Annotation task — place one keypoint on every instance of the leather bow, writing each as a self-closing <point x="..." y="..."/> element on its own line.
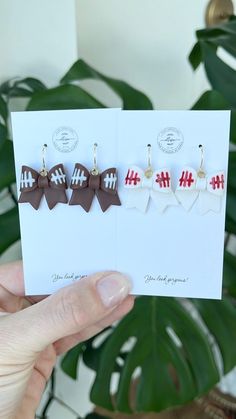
<point x="149" y="184"/>
<point x="86" y="184"/>
<point x="34" y="185"/>
<point x="207" y="189"/>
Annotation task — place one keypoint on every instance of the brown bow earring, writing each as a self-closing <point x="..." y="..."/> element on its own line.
<point x="86" y="184"/>
<point x="34" y="185"/>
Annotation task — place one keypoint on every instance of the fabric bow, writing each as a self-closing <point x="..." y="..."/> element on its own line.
<point x="52" y="184"/>
<point x="208" y="189"/>
<point x="86" y="184"/>
<point x="143" y="185"/>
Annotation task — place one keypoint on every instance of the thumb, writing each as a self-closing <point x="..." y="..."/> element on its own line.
<point x="66" y="312"/>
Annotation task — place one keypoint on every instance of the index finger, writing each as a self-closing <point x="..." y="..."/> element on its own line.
<point x="12" y="279"/>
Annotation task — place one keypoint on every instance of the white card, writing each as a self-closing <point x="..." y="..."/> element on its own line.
<point x="174" y="253"/>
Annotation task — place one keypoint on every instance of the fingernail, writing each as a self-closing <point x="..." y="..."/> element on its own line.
<point x="113" y="289"/>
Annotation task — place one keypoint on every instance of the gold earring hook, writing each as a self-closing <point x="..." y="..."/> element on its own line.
<point x="201" y="172"/>
<point x="149" y="170"/>
<point x="149" y="154"/>
<point x="94" y="170"/>
<point x="43" y="171"/>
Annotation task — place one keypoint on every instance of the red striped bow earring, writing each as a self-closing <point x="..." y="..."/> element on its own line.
<point x="52" y="184"/>
<point x="149" y="183"/>
<point x="207" y="189"/>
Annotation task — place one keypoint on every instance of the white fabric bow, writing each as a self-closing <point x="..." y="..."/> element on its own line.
<point x="208" y="190"/>
<point x="141" y="188"/>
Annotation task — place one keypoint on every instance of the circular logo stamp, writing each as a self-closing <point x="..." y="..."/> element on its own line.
<point x="170" y="140"/>
<point x="65" y="139"/>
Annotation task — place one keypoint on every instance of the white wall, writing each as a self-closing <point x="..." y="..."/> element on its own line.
<point x="37" y="38"/>
<point x="145" y="42"/>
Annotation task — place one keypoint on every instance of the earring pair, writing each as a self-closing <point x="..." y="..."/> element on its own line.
<point x="193" y="185"/>
<point x="85" y="185"/>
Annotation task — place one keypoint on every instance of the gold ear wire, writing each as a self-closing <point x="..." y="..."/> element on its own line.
<point x="43" y="171"/>
<point x="201" y="171"/>
<point x="149" y="170"/>
<point x="94" y="170"/>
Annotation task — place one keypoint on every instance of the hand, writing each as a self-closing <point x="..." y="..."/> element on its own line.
<point x="32" y="335"/>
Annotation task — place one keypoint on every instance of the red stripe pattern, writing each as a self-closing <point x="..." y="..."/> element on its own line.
<point x="163" y="179"/>
<point x="217" y="182"/>
<point x="186" y="179"/>
<point x="132" y="178"/>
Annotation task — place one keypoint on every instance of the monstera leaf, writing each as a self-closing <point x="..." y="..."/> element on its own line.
<point x="221" y="76"/>
<point x="167" y="351"/>
<point x="63" y="97"/>
<point x="131" y="98"/>
<point x="21" y="87"/>
<point x="71" y="96"/>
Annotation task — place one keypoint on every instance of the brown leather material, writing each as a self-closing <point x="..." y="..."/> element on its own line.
<point x="85" y="185"/>
<point x="34" y="185"/>
<point x="43" y="182"/>
<point x="80" y="177"/>
<point x="94" y="182"/>
<point x="83" y="197"/>
<point x="32" y="197"/>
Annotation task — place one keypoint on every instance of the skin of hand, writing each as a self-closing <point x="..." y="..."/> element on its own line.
<point x="33" y="331"/>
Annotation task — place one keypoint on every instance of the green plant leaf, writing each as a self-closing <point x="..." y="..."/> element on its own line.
<point x="195" y="56"/>
<point x="233" y="127"/>
<point x="96" y="416"/>
<point x="9" y="228"/>
<point x="3" y="109"/>
<point x="132" y="98"/>
<point x="34" y="84"/>
<point x="220" y="75"/>
<point x="231" y="204"/>
<point x="230" y="274"/>
<point x="220" y="318"/>
<point x="230" y="225"/>
<point x="232" y="170"/>
<point x="212" y="100"/>
<point x="228" y="43"/>
<point x="63" y="97"/>
<point x="7" y="168"/>
<point x="217" y="31"/>
<point x="22" y="87"/>
<point x="92" y="354"/>
<point x="172" y="374"/>
<point x="3" y="134"/>
<point x="69" y="363"/>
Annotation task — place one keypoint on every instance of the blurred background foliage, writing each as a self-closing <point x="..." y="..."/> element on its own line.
<point x="169" y="345"/>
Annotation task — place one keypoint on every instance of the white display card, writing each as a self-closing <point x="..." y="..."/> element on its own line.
<point x="176" y="252"/>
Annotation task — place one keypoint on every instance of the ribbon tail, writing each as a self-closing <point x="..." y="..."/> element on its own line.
<point x="32" y="197"/>
<point x="163" y="200"/>
<point x="208" y="202"/>
<point x="54" y="196"/>
<point x="82" y="197"/>
<point x="186" y="198"/>
<point x="106" y="199"/>
<point x="138" y="198"/>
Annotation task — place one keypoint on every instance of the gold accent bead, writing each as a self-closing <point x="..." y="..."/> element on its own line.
<point x="94" y="172"/>
<point x="201" y="174"/>
<point x="148" y="173"/>
<point x="43" y="172"/>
